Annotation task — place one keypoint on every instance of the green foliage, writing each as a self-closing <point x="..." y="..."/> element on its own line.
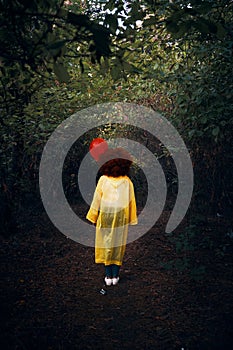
<point x="41" y="31"/>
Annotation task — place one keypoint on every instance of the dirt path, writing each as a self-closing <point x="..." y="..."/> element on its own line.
<point x="50" y="296"/>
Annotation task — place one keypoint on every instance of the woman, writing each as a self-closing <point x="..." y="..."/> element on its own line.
<point x="113" y="208"/>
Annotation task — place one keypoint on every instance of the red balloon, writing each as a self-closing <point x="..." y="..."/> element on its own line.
<point x="97" y="147"/>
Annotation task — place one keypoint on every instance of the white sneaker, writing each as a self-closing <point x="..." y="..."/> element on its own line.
<point x="115" y="280"/>
<point x="108" y="281"/>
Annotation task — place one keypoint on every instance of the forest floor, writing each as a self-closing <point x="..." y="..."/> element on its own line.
<point x="50" y="293"/>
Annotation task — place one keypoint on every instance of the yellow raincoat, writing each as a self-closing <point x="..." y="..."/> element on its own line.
<point x="113" y="208"/>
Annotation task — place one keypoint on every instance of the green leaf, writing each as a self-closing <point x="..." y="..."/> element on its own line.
<point x="115" y="72"/>
<point x="172" y="27"/>
<point x="130" y="68"/>
<point x="104" y="66"/>
<point x="78" y="20"/>
<point x="202" y="26"/>
<point x="204" y="120"/>
<point x="42" y="126"/>
<point x="221" y="32"/>
<point x="61" y="72"/>
<point x="216" y="131"/>
<point x="56" y="45"/>
<point x="110" y="5"/>
<point x="101" y="39"/>
<point x="150" y="21"/>
<point x="112" y="21"/>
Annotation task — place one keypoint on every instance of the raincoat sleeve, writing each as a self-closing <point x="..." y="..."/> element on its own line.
<point x="133" y="220"/>
<point x="93" y="212"/>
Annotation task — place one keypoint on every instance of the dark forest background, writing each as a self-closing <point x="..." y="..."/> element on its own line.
<point x="59" y="57"/>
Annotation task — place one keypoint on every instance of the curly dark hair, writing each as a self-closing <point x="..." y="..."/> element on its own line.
<point x="115" y="162"/>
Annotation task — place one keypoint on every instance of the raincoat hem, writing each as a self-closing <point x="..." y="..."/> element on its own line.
<point x="111" y="262"/>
